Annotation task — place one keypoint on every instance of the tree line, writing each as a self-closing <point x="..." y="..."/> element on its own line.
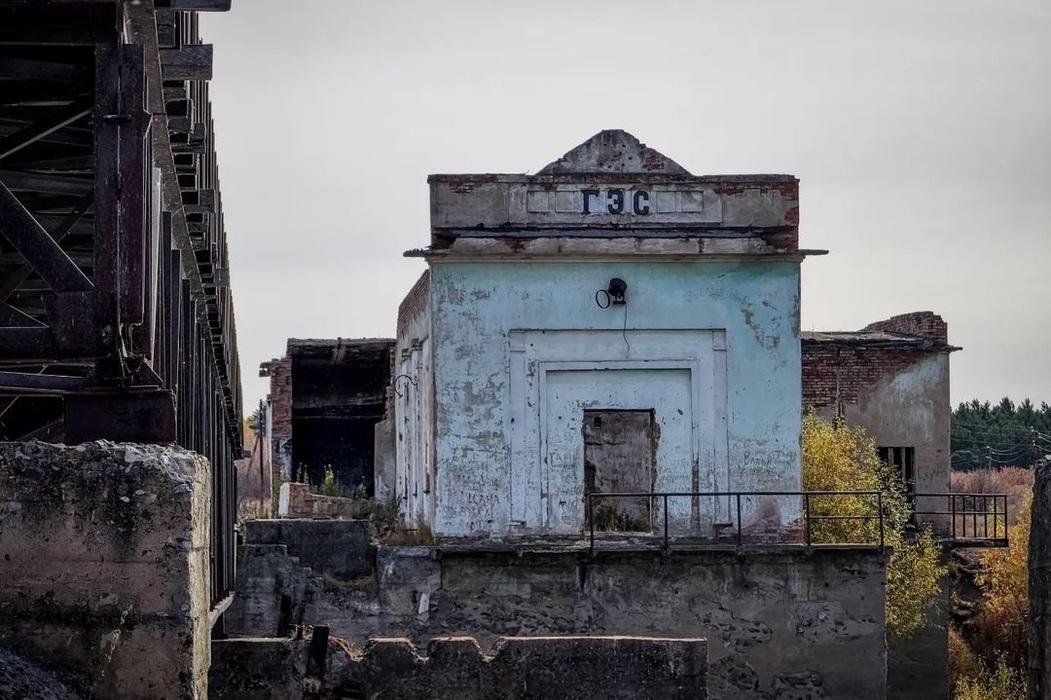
<point x="995" y="435"/>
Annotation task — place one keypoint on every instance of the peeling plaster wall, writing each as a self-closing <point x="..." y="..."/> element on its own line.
<point x="477" y="305"/>
<point x="413" y="400"/>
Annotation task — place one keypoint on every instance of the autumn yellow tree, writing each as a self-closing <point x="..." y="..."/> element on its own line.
<point x="1004" y="581"/>
<point x="840" y="457"/>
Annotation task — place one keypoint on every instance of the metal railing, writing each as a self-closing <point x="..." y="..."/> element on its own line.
<point x="974" y="519"/>
<point x="871" y="500"/>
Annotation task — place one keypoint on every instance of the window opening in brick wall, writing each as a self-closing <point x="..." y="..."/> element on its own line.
<point x="902" y="459"/>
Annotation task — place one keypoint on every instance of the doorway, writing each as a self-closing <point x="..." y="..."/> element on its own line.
<point x="619" y="454"/>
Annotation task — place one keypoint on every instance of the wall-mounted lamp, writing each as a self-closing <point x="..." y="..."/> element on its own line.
<point x="613" y="295"/>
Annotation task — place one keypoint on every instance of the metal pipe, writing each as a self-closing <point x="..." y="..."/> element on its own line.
<point x="665" y="522"/>
<point x="591" y="521"/>
<point x="879" y="504"/>
<point x="806" y="521"/>
<point x="740" y="525"/>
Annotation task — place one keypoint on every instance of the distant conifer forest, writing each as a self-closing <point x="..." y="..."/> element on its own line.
<point x="1004" y="434"/>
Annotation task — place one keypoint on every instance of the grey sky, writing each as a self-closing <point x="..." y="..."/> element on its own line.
<point x="920" y="131"/>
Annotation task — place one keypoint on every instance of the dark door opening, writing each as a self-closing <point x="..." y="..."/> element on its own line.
<point x="619" y="454"/>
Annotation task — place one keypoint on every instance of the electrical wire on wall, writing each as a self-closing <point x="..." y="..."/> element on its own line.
<point x="624" y="330"/>
<point x="614" y="295"/>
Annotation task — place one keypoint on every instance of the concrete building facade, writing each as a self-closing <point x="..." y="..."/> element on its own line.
<point x="612" y="291"/>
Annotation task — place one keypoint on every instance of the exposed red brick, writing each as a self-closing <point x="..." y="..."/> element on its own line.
<point x="925" y="324"/>
<point x="414" y="301"/>
<point x="280" y="372"/>
<point x="846" y="372"/>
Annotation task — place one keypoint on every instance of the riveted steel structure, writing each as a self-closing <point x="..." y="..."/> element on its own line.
<point x="116" y="315"/>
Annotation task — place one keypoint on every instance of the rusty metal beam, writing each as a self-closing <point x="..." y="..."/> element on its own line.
<point x="20" y="383"/>
<point x="131" y="415"/>
<point x="27" y="344"/>
<point x="196" y="5"/>
<point x="15" y="142"/>
<point x="16" y="277"/>
<point x="12" y="317"/>
<point x="46" y="183"/>
<point x="50" y="71"/>
<point x="191" y="62"/>
<point x="40" y="250"/>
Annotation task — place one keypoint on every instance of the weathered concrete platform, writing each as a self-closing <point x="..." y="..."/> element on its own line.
<point x="522" y="668"/>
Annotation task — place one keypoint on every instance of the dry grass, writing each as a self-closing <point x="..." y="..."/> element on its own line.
<point x="1014" y="481"/>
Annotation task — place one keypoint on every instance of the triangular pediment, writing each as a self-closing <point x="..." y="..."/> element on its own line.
<point x="613" y="151"/>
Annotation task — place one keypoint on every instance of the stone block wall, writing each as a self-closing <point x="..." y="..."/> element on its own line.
<point x="547" y="668"/>
<point x="104" y="559"/>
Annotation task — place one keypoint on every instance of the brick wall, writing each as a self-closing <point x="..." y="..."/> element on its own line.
<point x="414" y="301"/>
<point x="831" y="370"/>
<point x="280" y="372"/>
<point x="925" y="324"/>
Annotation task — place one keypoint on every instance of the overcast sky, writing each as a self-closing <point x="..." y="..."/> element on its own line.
<point x="920" y="131"/>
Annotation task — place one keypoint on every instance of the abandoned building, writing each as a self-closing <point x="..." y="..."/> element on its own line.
<point x="604" y="361"/>
<point x="612" y="324"/>
<point x="326" y="397"/>
<point x="612" y="299"/>
<point x="575" y="469"/>
<point x="891" y="378"/>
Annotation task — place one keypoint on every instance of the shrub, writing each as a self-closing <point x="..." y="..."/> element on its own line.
<point x="328" y="486"/>
<point x="1003" y="623"/>
<point x="963" y="664"/>
<point x="839" y="457"/>
<point x="999" y="683"/>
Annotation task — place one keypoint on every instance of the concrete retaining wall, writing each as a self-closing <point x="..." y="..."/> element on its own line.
<point x="338" y="548"/>
<point x="104" y="552"/>
<point x="782" y="623"/>
<point x="548" y="668"/>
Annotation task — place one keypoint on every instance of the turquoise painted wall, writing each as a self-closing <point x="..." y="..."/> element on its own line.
<point x="475" y="305"/>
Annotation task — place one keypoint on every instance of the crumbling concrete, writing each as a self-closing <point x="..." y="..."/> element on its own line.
<point x="1040" y="585"/>
<point x="21" y="679"/>
<point x="548" y="668"/>
<point x="104" y="552"/>
<point x="782" y="622"/>
<point x="296" y="500"/>
<point x="918" y="667"/>
<point x="338" y="548"/>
